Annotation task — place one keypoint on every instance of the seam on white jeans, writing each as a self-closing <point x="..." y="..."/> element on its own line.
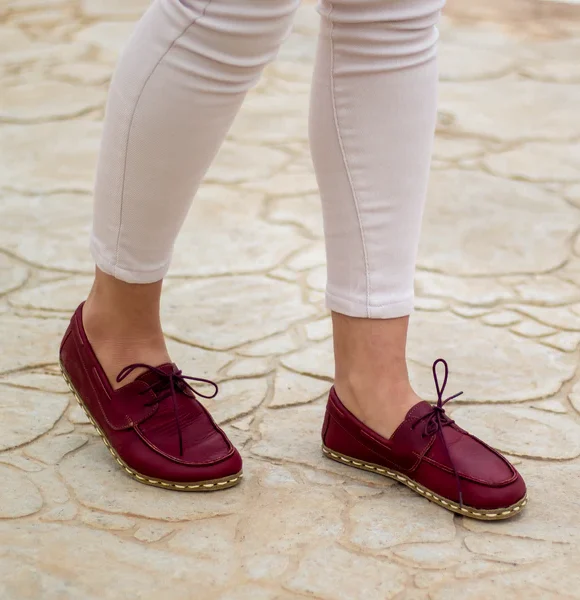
<point x="110" y="268"/>
<point x="394" y="303"/>
<point x="191" y="24"/>
<point x="345" y="160"/>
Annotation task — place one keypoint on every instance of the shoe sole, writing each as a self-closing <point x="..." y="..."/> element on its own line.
<point x="211" y="485"/>
<point x="482" y="515"/>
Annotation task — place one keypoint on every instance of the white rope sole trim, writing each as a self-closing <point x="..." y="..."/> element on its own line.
<point x="448" y="504"/>
<point x="201" y="486"/>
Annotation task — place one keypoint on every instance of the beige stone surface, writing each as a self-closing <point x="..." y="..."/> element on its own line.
<point x="498" y="296"/>
<point x="17" y="406"/>
<point x="574" y="396"/>
<point x="82" y="73"/>
<point x="99" y="520"/>
<point x="230" y="310"/>
<point x="476" y="292"/>
<point x="107" y="38"/>
<point x="53" y="563"/>
<point x="302" y="211"/>
<point x="512" y="550"/>
<point x="547" y="289"/>
<point x="37" y="342"/>
<point x="20" y="462"/>
<point x="492" y="209"/>
<point x="551" y="60"/>
<point x="468" y="61"/>
<point x="513" y="109"/>
<point x="281" y="343"/>
<point x="12" y="274"/>
<point x="59" y="100"/>
<point x="294" y="388"/>
<point x="431" y="555"/>
<point x="61" y="512"/>
<point x="227" y="216"/>
<point x="36" y="380"/>
<point x="501" y="318"/>
<point x="548" y="580"/>
<point x="237" y="398"/>
<point x="69" y="166"/>
<point x="567" y="341"/>
<point x="153" y="532"/>
<point x="538" y="161"/>
<point x="52" y="488"/>
<point x="336" y="574"/>
<point x="249" y="367"/>
<point x="63" y="295"/>
<point x="532" y="329"/>
<point x="396" y="517"/>
<point x="112" y="9"/>
<point x="61" y="221"/>
<point x="556" y="406"/>
<point x="51" y="451"/>
<point x="311" y="514"/>
<point x="19" y="497"/>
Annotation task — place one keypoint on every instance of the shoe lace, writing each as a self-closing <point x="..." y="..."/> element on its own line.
<point x="436" y="419"/>
<point x="168" y="387"/>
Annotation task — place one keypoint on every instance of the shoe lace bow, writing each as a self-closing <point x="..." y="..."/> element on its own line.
<point x="436" y="419"/>
<point x="168" y="386"/>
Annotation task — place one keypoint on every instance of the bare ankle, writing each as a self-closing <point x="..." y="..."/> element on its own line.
<point x="371" y="370"/>
<point x="123" y="325"/>
<point x="103" y="321"/>
<point x="124" y="307"/>
<point x="380" y="407"/>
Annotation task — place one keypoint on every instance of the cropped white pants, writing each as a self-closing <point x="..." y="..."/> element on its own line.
<point x="179" y="85"/>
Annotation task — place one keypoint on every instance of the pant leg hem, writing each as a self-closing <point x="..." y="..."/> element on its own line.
<point x="126" y="275"/>
<point x="356" y="309"/>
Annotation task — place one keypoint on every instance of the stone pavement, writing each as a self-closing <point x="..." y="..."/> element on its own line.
<point x="498" y="295"/>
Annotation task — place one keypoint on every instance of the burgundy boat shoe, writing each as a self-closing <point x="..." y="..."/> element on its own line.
<point x="431" y="455"/>
<point x="154" y="427"/>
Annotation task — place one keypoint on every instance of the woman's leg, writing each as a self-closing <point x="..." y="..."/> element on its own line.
<point x="373" y="121"/>
<point x="176" y="91"/>
<point x="372" y="124"/>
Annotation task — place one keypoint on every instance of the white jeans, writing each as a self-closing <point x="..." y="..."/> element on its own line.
<point x="179" y="85"/>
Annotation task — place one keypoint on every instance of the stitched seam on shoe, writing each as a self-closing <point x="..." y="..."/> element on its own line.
<point x="97" y="396"/>
<point x="363" y="444"/>
<point x="326" y="425"/>
<point x="502" y="457"/>
<point x="345" y="161"/>
<point x="78" y="326"/>
<point x="419" y="456"/>
<point x="426" y="492"/>
<point x="90" y="380"/>
<point x="409" y="416"/>
<point x="400" y="467"/>
<point x="134" y="474"/>
<point x="130" y="422"/>
<point x="67" y="335"/>
<point x="172" y="45"/>
<point x="175" y="459"/>
<point x="465" y="476"/>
